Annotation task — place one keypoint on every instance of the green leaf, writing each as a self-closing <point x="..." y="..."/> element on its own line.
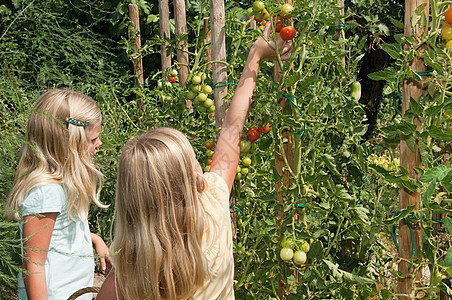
<point x="448" y="258"/>
<point x="417" y="109"/>
<point x="428" y="193"/>
<point x="329" y="163"/>
<point x="392" y="50"/>
<point x="403" y="127"/>
<point x="397" y="23"/>
<point x="448" y="224"/>
<point x="388" y="74"/>
<point x="440" y="133"/>
<point x="316" y="251"/>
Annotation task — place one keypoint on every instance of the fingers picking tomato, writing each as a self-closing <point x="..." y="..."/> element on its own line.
<point x="253" y="135"/>
<point x="287" y="33"/>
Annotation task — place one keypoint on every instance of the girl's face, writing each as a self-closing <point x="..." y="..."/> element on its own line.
<point x="94" y="141"/>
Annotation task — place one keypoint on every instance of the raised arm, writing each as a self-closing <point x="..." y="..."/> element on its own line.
<point x="227" y="150"/>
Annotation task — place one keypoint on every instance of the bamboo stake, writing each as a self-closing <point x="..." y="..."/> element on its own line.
<point x="136" y="39"/>
<point x="219" y="70"/>
<point x="208" y="38"/>
<point x="181" y="28"/>
<point x="164" y="32"/>
<point x="409" y="160"/>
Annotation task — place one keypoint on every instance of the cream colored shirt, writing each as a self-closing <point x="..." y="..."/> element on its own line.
<point x="217" y="241"/>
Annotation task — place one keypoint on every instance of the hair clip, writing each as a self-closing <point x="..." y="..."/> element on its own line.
<point x="76" y="122"/>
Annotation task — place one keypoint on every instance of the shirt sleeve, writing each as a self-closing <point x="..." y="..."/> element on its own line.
<point x="217" y="187"/>
<point x="44" y="199"/>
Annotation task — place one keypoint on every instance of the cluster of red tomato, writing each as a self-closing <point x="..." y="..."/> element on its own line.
<point x="209" y="152"/>
<point x="446" y="29"/>
<point x="261" y="15"/>
<point x="199" y="92"/>
<point x="245" y="146"/>
<point x="300" y="256"/>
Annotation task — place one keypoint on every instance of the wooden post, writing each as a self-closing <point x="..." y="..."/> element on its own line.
<point x="137" y="62"/>
<point x="409" y="160"/>
<point x="208" y="39"/>
<point x="219" y="70"/>
<point x="164" y="32"/>
<point x="181" y="28"/>
<point x="340" y="32"/>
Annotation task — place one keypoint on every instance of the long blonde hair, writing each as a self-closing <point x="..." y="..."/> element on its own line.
<point x="57" y="152"/>
<point x="159" y="224"/>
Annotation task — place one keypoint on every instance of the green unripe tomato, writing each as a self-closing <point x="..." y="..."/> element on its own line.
<point x="159" y="84"/>
<point x="191" y="95"/>
<point x="211" y="108"/>
<point x="202" y="97"/>
<point x="196" y="79"/>
<point x="258" y="6"/>
<point x="245" y="146"/>
<point x="196" y="88"/>
<point x="196" y="102"/>
<point x="209" y="153"/>
<point x="174" y="73"/>
<point x="207" y="89"/>
<point x="238" y="176"/>
<point x="246" y="161"/>
<point x="244" y="171"/>
<point x="250" y="12"/>
<point x="299" y="257"/>
<point x="356" y="90"/>
<point x="288" y="242"/>
<point x="304" y="246"/>
<point x="208" y="103"/>
<point x="286" y="253"/>
<point x="239" y="169"/>
<point x="207" y="168"/>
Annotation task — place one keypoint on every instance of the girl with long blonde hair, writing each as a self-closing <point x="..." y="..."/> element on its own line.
<point x="55" y="183"/>
<point x="173" y="237"/>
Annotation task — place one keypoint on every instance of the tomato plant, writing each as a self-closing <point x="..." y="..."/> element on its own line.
<point x="287" y="33"/>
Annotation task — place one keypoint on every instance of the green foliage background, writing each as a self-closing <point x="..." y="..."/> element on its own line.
<point x="343" y="190"/>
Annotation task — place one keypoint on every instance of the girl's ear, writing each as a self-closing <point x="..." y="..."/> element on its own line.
<point x="200" y="182"/>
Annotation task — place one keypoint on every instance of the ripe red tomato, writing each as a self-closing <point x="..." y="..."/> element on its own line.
<point x="446" y="32"/>
<point x="287" y="33"/>
<point x="209" y="144"/>
<point x="448" y="15"/>
<point x="265" y="129"/>
<point x="173" y="79"/>
<point x="279" y="24"/>
<point x="209" y="161"/>
<point x="253" y="135"/>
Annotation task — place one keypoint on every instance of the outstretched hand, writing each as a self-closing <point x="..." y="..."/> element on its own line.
<point x="265" y="45"/>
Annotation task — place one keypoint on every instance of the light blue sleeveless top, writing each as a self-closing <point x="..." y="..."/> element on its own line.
<point x="70" y="262"/>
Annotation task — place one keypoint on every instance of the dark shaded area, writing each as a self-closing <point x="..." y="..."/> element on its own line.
<point x="371" y="90"/>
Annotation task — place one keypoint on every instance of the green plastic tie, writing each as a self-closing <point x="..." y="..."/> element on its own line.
<point x="237" y="209"/>
<point x="302" y="124"/>
<point x="341" y="26"/>
<point x="222" y="84"/>
<point x="421" y="73"/>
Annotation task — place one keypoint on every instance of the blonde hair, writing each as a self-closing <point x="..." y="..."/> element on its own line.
<point x="159" y="221"/>
<point x="57" y="152"/>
